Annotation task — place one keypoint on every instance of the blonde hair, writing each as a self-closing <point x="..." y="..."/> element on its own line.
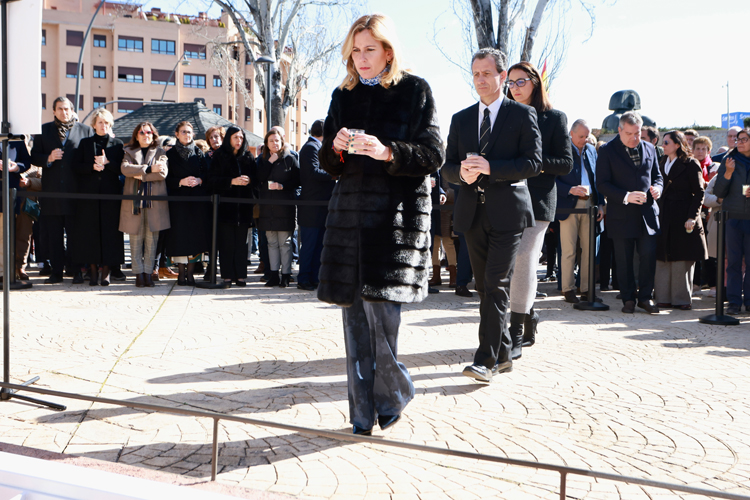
<point x="382" y="29"/>
<point x="106" y="116"/>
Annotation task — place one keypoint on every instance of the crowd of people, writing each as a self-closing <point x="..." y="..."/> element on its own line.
<point x="511" y="167"/>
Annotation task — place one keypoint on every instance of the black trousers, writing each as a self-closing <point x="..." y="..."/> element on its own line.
<point x="625" y="249"/>
<point x="232" y="245"/>
<point x="493" y="255"/>
<point x="55" y="228"/>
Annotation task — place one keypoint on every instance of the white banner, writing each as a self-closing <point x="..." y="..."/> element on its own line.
<point x="24" y="67"/>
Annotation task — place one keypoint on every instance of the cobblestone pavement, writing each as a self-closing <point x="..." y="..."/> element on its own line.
<point x="661" y="397"/>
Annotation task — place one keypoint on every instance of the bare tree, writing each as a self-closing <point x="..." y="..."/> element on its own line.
<point x="300" y="35"/>
<point x="519" y="24"/>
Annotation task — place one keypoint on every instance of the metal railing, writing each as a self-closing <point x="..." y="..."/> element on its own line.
<point x="340" y="436"/>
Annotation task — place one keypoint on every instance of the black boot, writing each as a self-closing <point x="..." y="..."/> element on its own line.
<point x="516" y="333"/>
<point x="285" y="280"/>
<point x="273" y="279"/>
<point x="181" y="278"/>
<point x="189" y="278"/>
<point x="530" y="322"/>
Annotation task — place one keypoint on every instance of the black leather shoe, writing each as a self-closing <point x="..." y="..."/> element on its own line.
<point x="432" y="290"/>
<point x="570" y="296"/>
<point x="53" y="279"/>
<point x="478" y="372"/>
<point x="117" y="275"/>
<point x="649" y="306"/>
<point x="46" y="270"/>
<point x="306" y="286"/>
<point x="240" y="283"/>
<point x="732" y="309"/>
<point x="78" y="278"/>
<point x="541" y="295"/>
<point x="530" y="323"/>
<point x="504" y="367"/>
<point x="462" y="291"/>
<point x="359" y="431"/>
<point x="629" y="307"/>
<point x="273" y="280"/>
<point x="516" y="333"/>
<point x="385" y="421"/>
<point x="585" y="297"/>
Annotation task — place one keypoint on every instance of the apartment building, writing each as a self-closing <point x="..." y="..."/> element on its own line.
<point x="136" y="55"/>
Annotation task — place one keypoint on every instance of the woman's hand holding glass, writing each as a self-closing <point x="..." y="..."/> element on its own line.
<point x="242" y="180"/>
<point x="100" y="161"/>
<point x="361" y="144"/>
<point x="159" y="165"/>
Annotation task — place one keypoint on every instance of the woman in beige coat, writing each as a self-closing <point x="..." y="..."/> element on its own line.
<point x="145" y="168"/>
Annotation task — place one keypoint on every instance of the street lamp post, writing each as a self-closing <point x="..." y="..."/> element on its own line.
<point x="182" y="60"/>
<point x="268" y="61"/>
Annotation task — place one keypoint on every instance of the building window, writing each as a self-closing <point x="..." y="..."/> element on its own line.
<point x="260" y="116"/>
<point x="44" y="101"/>
<point x="44" y="69"/>
<point x="249" y="85"/>
<point x="100" y="41"/>
<point x="217" y="81"/>
<point x="304" y="128"/>
<point x="100" y="72"/>
<point x="291" y="128"/>
<point x="99" y="101"/>
<point x="217" y="109"/>
<point x="304" y="106"/>
<point x="130" y="44"/>
<point x="44" y="41"/>
<point x="160" y="77"/>
<point x="130" y="75"/>
<point x="71" y="69"/>
<point x="194" y="81"/>
<point x="162" y="47"/>
<point x="128" y="107"/>
<point x="74" y="38"/>
<point x="194" y="51"/>
<point x="72" y="98"/>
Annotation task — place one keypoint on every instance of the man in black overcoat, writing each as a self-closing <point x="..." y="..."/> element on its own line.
<point x="494" y="206"/>
<point x="55" y="152"/>
<point x="627" y="173"/>
<point x="317" y="185"/>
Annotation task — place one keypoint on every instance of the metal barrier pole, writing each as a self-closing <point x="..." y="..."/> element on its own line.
<point x="563" y="485"/>
<point x="719" y="318"/>
<point x="215" y="451"/>
<point x="591" y="304"/>
<point x="212" y="285"/>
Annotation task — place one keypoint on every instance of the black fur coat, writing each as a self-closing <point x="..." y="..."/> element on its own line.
<point x="378" y="227"/>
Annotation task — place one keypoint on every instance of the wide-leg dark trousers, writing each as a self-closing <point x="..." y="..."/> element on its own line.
<point x="378" y="384"/>
<point x="232" y="245"/>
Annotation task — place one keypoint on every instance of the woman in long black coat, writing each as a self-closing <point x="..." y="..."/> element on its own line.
<point x="188" y="237"/>
<point x="231" y="174"/>
<point x="525" y="86"/>
<point x="278" y="178"/>
<point x="682" y="240"/>
<point x="96" y="222"/>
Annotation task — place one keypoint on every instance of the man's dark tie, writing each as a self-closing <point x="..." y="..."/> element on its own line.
<point x="484" y="132"/>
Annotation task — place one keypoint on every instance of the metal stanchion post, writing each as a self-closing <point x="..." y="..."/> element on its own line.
<point x="592" y="304"/>
<point x="212" y="285"/>
<point x="719" y="318"/>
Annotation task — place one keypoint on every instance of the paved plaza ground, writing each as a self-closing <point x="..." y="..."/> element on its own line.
<point x="661" y="397"/>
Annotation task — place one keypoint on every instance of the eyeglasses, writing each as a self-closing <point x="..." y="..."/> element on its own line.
<point x="186" y="132"/>
<point x="521" y="82"/>
<point x="145" y="132"/>
<point x="743" y="140"/>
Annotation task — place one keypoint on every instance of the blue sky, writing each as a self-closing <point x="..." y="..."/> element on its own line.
<point x="677" y="54"/>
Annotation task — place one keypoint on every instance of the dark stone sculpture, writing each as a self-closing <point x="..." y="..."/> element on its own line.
<point x="621" y="102"/>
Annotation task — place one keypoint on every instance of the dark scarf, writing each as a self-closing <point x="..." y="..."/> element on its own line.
<point x="142" y="188"/>
<point x="64" y="128"/>
<point x="743" y="160"/>
<point x="185" y="152"/>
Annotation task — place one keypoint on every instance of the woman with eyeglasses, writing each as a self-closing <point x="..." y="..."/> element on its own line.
<point x="525" y="86"/>
<point x="145" y="169"/>
<point x="733" y="185"/>
<point x="188" y="236"/>
<point x="682" y="240"/>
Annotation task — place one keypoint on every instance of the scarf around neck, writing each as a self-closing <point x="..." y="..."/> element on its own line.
<point x="185" y="152"/>
<point x="371" y="82"/>
<point x="64" y="128"/>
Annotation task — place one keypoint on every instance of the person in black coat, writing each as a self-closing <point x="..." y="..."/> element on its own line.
<point x="627" y="173"/>
<point x="98" y="239"/>
<point x="317" y="185"/>
<point x="188" y="236"/>
<point x="525" y="85"/>
<point x="231" y="174"/>
<point x="18" y="161"/>
<point x="494" y="206"/>
<point x="278" y="178"/>
<point x="55" y="151"/>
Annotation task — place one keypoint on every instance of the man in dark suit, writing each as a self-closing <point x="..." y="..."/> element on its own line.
<point x="54" y="150"/>
<point x="577" y="190"/>
<point x="494" y="206"/>
<point x="317" y="185"/>
<point x="628" y="175"/>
